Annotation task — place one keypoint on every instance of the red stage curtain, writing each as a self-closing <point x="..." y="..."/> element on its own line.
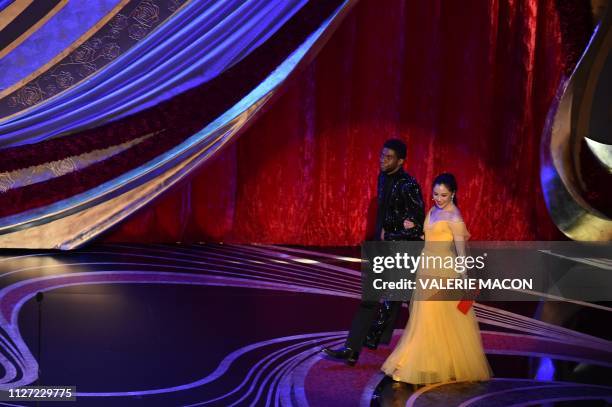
<point x="466" y="84"/>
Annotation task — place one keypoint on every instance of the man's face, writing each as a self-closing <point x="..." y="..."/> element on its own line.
<point x="389" y="163"/>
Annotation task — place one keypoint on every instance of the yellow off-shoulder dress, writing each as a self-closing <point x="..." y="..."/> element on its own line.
<point x="440" y="343"/>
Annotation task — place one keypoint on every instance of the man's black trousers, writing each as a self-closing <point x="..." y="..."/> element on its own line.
<point x="365" y="316"/>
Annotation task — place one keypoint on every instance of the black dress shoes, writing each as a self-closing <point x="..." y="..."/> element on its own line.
<point x="373" y="339"/>
<point x="343" y="353"/>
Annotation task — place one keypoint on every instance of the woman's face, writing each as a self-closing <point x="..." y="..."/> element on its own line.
<point x="442" y="196"/>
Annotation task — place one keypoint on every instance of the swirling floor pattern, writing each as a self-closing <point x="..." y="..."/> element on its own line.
<point x="227" y="325"/>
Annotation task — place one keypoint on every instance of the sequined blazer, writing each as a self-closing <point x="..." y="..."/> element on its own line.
<point x="405" y="201"/>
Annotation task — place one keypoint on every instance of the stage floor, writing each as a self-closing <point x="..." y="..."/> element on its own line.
<point x="224" y="325"/>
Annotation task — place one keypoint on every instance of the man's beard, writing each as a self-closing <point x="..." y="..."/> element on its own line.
<point x="391" y="170"/>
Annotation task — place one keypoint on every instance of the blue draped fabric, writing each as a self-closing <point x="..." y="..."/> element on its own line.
<point x="5" y="3"/>
<point x="65" y="27"/>
<point x="214" y="65"/>
<point x="202" y="40"/>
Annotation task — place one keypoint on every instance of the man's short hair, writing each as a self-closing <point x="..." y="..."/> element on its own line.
<point x="398" y="146"/>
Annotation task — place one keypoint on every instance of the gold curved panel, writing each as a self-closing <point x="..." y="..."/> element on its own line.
<point x="602" y="151"/>
<point x="569" y="124"/>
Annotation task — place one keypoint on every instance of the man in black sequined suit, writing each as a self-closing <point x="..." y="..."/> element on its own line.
<point x="399" y="200"/>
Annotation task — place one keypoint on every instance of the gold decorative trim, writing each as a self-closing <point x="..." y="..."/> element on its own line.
<point x="33" y="29"/>
<point x="12" y="11"/>
<point x="73" y="230"/>
<point x="63" y="54"/>
<point x="44" y="172"/>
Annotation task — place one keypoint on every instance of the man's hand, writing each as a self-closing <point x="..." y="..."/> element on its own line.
<point x="408" y="224"/>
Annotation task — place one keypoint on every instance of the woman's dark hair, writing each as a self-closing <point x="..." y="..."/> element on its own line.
<point x="448" y="180"/>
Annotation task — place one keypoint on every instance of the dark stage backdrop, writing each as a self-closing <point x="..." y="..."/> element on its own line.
<point x="467" y="84"/>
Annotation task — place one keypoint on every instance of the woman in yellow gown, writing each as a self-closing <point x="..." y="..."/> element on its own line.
<point x="440" y="343"/>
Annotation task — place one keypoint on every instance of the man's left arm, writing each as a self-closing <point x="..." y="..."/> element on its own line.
<point x="414" y="211"/>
